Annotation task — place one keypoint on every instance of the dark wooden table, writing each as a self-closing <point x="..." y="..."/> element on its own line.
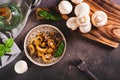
<point x="103" y="61"/>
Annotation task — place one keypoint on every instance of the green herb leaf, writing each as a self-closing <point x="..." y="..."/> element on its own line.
<point x="44" y="14"/>
<point x="9" y="42"/>
<point x="1" y="17"/>
<point x="2" y="51"/>
<point x="7" y="49"/>
<point x="49" y="15"/>
<point x="2" y="46"/>
<point x="60" y="49"/>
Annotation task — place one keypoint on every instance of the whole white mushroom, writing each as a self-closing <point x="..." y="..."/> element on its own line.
<point x="77" y="1"/>
<point x="83" y="19"/>
<point x="82" y="8"/>
<point x="71" y="23"/>
<point x="21" y="67"/>
<point x="85" y="28"/>
<point x="65" y="7"/>
<point x="99" y="18"/>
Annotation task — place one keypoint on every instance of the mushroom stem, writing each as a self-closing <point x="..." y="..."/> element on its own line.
<point x="98" y="19"/>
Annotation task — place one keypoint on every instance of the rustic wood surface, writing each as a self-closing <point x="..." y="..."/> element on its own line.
<point x="110" y="33"/>
<point x="102" y="61"/>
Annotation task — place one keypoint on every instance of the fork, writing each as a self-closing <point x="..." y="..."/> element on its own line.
<point x="81" y="65"/>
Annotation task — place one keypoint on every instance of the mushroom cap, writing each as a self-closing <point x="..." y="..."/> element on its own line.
<point x="71" y="23"/>
<point x="83" y="19"/>
<point x="65" y="7"/>
<point x="77" y="1"/>
<point x="82" y="8"/>
<point x="85" y="28"/>
<point x="21" y="67"/>
<point x="99" y="18"/>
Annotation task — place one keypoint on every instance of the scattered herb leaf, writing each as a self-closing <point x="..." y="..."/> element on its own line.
<point x="60" y="49"/>
<point x="49" y="15"/>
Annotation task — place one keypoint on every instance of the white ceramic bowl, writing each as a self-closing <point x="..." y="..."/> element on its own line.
<point x="32" y="33"/>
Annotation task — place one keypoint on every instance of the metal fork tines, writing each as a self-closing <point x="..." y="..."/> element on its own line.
<point x="82" y="66"/>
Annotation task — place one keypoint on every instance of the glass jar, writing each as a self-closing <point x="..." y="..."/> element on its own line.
<point x="10" y="16"/>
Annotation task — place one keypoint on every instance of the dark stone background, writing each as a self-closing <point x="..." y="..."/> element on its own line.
<point x="102" y="61"/>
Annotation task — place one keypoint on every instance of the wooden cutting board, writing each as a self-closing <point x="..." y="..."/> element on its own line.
<point x="108" y="34"/>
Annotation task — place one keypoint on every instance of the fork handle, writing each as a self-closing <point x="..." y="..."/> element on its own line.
<point x="91" y="75"/>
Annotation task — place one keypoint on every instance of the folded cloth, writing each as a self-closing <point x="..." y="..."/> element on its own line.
<point x="8" y="57"/>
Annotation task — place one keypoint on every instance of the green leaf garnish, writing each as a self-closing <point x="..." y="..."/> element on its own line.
<point x="6" y="47"/>
<point x="9" y="42"/>
<point x="49" y="15"/>
<point x="60" y="49"/>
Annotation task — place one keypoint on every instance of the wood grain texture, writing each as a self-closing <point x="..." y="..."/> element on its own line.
<point x="110" y="33"/>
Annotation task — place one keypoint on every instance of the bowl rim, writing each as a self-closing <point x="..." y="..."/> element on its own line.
<point x="47" y="64"/>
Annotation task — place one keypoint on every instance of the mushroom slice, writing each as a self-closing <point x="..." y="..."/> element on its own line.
<point x="82" y="8"/>
<point x="31" y="49"/>
<point x="85" y="28"/>
<point x="50" y="50"/>
<point x="51" y="43"/>
<point x="71" y="23"/>
<point x="77" y="1"/>
<point x="65" y="7"/>
<point x="83" y="19"/>
<point x="99" y="18"/>
<point x="47" y="58"/>
<point x="41" y="49"/>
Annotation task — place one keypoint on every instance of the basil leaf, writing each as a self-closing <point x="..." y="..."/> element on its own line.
<point x="60" y="49"/>
<point x="49" y="15"/>
<point x="7" y="49"/>
<point x="9" y="42"/>
<point x="2" y="51"/>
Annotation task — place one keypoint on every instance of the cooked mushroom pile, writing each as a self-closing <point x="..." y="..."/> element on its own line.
<point x="82" y="19"/>
<point x="44" y="46"/>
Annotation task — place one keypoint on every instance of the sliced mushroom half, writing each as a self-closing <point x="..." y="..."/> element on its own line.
<point x="71" y="23"/>
<point x="99" y="18"/>
<point x="65" y="7"/>
<point x="82" y="8"/>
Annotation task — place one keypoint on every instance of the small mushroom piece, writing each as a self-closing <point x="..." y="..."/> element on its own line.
<point x="50" y="50"/>
<point x="71" y="23"/>
<point x="20" y="67"/>
<point x="99" y="18"/>
<point x="41" y="49"/>
<point x="77" y="1"/>
<point x="48" y="56"/>
<point x="31" y="49"/>
<point x="45" y="58"/>
<point x="83" y="19"/>
<point x="82" y="8"/>
<point x="65" y="7"/>
<point x="51" y="43"/>
<point x="85" y="28"/>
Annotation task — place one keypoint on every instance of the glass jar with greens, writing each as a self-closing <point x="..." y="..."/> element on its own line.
<point x="10" y="16"/>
